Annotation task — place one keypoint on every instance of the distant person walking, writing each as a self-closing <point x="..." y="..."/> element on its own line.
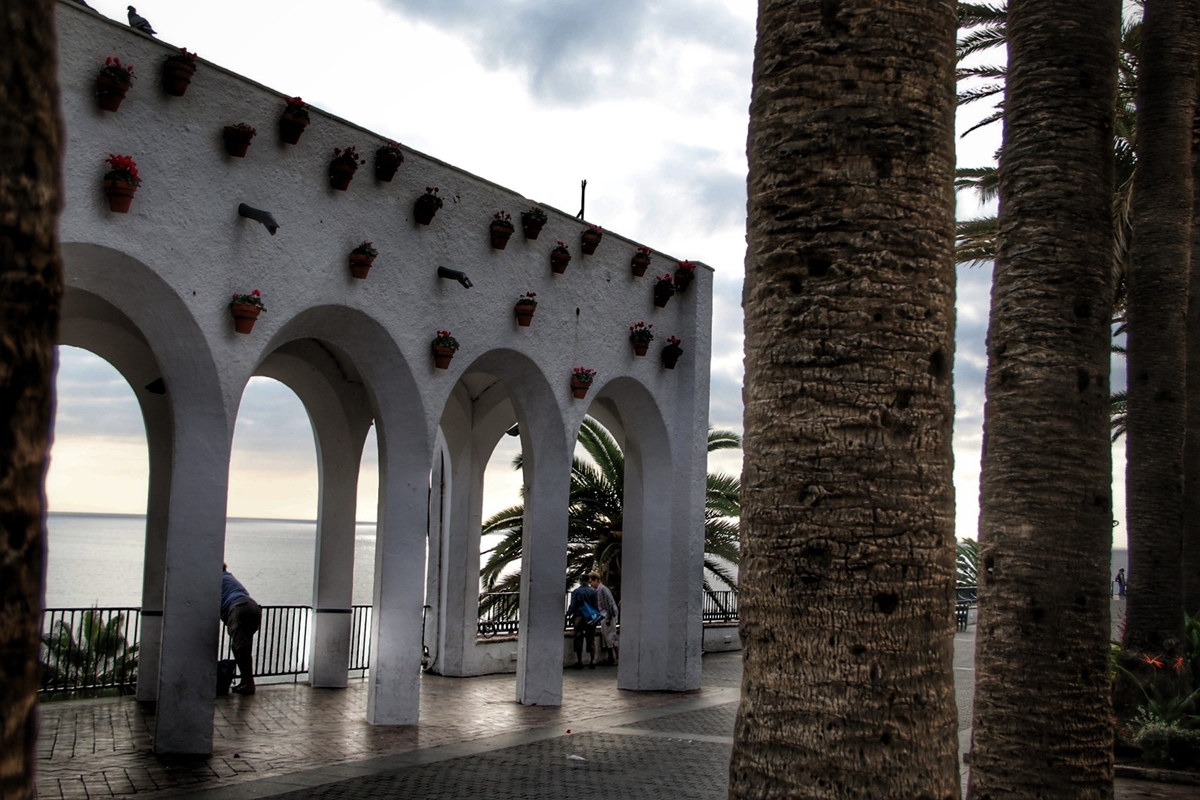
<point x="1121" y="583"/>
<point x="606" y="605"/>
<point x="242" y="617"/>
<point x="584" y="618"/>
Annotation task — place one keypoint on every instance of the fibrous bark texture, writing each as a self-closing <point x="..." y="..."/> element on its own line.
<point x="847" y="567"/>
<point x="1158" y="286"/>
<point x="30" y="292"/>
<point x="1042" y="725"/>
<point x="1191" y="452"/>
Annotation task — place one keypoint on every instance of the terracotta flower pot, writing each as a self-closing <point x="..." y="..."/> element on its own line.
<point x="110" y="93"/>
<point x="559" y="261"/>
<point x="524" y="313"/>
<point x="579" y="389"/>
<point x="244" y="316"/>
<point x="500" y="235"/>
<point x="424" y="209"/>
<point x="360" y="264"/>
<point x="386" y="166"/>
<point x="532" y="228"/>
<point x="340" y="175"/>
<point x="683" y="279"/>
<point x="661" y="296"/>
<point x="670" y="356"/>
<point x="177" y="77"/>
<point x="640" y="348"/>
<point x="237" y="141"/>
<point x="442" y="356"/>
<point x="591" y="241"/>
<point x="638" y="265"/>
<point x="120" y="196"/>
<point x="290" y="128"/>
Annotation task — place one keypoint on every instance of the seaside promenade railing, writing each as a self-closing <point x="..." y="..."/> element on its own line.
<point x="91" y="652"/>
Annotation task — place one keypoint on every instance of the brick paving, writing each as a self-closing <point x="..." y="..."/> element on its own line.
<point x="473" y="740"/>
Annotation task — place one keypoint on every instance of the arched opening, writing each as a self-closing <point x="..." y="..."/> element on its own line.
<point x="96" y="487"/>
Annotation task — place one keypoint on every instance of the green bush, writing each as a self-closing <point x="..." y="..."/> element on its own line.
<point x="1168" y="746"/>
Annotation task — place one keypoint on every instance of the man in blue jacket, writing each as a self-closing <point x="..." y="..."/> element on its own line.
<point x="242" y="617"/>
<point x="581" y="626"/>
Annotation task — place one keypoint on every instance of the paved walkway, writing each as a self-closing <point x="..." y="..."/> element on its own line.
<point x="474" y="741"/>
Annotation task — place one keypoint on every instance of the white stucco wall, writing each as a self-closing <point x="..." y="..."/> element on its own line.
<point x="154" y="285"/>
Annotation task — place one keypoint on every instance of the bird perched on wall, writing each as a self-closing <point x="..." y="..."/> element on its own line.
<point x="136" y="20"/>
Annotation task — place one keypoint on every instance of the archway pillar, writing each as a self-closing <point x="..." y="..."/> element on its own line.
<point x="393" y="688"/>
<point x="158" y="516"/>
<point x="544" y="565"/>
<point x="192" y="597"/>
<point x="339" y="452"/>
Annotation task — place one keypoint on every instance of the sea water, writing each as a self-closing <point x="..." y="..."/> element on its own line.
<point x="97" y="559"/>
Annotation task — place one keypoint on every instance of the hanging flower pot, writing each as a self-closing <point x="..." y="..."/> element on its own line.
<point x="526" y="305"/>
<point x="342" y="168"/>
<point x="671" y="353"/>
<point x="245" y="309"/>
<point x="559" y="258"/>
<point x="581" y="381"/>
<point x="293" y="121"/>
<point x="361" y="259"/>
<point x="640" y="261"/>
<point x="112" y="83"/>
<point x="532" y="222"/>
<point x="664" y="289"/>
<point x="177" y="72"/>
<point x="444" y="346"/>
<point x="501" y="229"/>
<point x="427" y="205"/>
<point x="121" y="182"/>
<point x="684" y="275"/>
<point x="591" y="239"/>
<point x="237" y="139"/>
<point x="640" y="336"/>
<point x="387" y="161"/>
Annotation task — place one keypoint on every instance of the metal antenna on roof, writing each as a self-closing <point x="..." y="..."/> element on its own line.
<point x="582" y="198"/>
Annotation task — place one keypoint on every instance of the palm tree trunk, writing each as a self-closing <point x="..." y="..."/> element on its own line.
<point x="1042" y="725"/>
<point x="847" y="569"/>
<point x="30" y="293"/>
<point x="1191" y="451"/>
<point x="1160" y="259"/>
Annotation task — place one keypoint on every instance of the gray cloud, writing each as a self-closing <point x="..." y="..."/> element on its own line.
<point x="93" y="399"/>
<point x="572" y="51"/>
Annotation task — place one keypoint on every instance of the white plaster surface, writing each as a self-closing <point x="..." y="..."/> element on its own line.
<point x="149" y="290"/>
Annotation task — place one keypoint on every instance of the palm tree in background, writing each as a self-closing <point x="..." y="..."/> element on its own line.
<point x="595" y="523"/>
<point x="985" y="27"/>
<point x="91" y="660"/>
<point x="1045" y="498"/>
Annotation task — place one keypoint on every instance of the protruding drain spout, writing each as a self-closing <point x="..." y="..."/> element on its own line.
<point x="455" y="275"/>
<point x="258" y="215"/>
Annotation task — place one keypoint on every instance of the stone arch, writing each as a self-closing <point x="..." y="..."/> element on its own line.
<point x="497" y="388"/>
<point x="662" y="541"/>
<point x="348" y="372"/>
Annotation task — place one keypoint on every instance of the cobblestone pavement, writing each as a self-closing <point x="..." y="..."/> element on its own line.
<point x="473" y="741"/>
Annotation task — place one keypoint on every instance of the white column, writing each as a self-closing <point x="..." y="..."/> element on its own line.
<point x="544" y="565"/>
<point x="339" y="453"/>
<point x="192" y="599"/>
<point x="393" y="689"/>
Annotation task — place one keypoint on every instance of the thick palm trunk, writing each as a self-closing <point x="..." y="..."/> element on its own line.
<point x="847" y="502"/>
<point x="1191" y="445"/>
<point x="1158" y="286"/>
<point x="1042" y="724"/>
<point x="30" y="290"/>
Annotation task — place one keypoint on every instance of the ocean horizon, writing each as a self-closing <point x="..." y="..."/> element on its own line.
<point x="97" y="559"/>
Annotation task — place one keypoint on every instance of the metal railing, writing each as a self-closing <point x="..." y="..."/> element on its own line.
<point x="499" y="612"/>
<point x="89" y="652"/>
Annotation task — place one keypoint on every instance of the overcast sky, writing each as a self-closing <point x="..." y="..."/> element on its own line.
<point x="646" y="99"/>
